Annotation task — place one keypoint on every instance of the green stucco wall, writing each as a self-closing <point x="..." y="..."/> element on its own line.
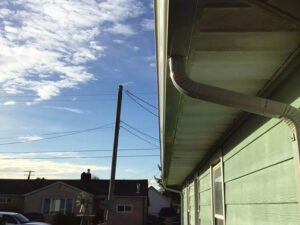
<point x="259" y="172"/>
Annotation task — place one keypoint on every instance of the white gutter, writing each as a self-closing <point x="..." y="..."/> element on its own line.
<point x="181" y="198"/>
<point x="253" y="104"/>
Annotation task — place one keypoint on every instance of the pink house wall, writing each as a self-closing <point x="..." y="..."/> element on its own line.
<point x="136" y="217"/>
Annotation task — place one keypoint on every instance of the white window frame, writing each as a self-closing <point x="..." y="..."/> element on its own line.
<point x="124" y="205"/>
<point x="217" y="165"/>
<point x="51" y="202"/>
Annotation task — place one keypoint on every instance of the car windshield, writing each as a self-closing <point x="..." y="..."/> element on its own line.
<point x="21" y="218"/>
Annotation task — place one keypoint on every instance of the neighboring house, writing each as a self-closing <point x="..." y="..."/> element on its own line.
<point x="233" y="156"/>
<point x="156" y="201"/>
<point x="52" y="197"/>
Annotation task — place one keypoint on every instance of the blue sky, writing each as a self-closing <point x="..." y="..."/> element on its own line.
<point x="61" y="64"/>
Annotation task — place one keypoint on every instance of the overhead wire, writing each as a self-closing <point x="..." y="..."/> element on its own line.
<point x="59" y="136"/>
<point x="149" y="111"/>
<point x="142" y="100"/>
<point x="139" y="131"/>
<point x="77" y="157"/>
<point x="139" y="137"/>
<point x="75" y="151"/>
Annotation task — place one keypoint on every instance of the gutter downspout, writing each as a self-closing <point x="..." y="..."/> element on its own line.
<point x="253" y="104"/>
<point x="181" y="198"/>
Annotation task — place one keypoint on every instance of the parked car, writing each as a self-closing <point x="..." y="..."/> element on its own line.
<point x="169" y="216"/>
<point x="34" y="216"/>
<point x="12" y="218"/>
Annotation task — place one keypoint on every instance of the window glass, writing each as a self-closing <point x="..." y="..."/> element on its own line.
<point x="219" y="222"/>
<point x="62" y="205"/>
<point x="46" y="209"/>
<point x="217" y="192"/>
<point x="120" y="208"/>
<point x="21" y="218"/>
<point x="9" y="219"/>
<point x="128" y="208"/>
<point x="69" y="206"/>
<point x="218" y="186"/>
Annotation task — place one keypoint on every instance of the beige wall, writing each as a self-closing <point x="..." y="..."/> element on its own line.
<point x="34" y="202"/>
<point x="15" y="205"/>
<point x="136" y="217"/>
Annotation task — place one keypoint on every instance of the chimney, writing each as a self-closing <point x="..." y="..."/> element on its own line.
<point x="86" y="175"/>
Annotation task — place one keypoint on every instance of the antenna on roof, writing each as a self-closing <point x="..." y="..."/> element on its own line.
<point x="29" y="173"/>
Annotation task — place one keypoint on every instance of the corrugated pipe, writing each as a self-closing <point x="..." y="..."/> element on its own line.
<point x="181" y="198"/>
<point x="253" y="104"/>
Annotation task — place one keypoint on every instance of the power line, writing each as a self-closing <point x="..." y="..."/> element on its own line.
<point x="139" y="137"/>
<point x="53" y="133"/>
<point x="129" y="93"/>
<point x="75" y="95"/>
<point x="88" y="150"/>
<point x="149" y="111"/>
<point x="81" y="157"/>
<point x="139" y="131"/>
<point x="58" y="136"/>
<point x="46" y="134"/>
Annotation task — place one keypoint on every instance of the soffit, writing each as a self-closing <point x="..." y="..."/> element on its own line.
<point x="234" y="45"/>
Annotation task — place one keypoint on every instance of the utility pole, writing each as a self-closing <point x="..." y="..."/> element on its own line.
<point x="29" y="174"/>
<point x="115" y="153"/>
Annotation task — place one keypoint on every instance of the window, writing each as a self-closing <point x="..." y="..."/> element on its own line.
<point x="218" y="203"/>
<point x="5" y="200"/>
<point x="9" y="219"/>
<point x="124" y="208"/>
<point x="58" y="206"/>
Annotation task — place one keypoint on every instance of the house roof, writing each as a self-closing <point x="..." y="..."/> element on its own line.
<point x="95" y="187"/>
<point x="245" y="46"/>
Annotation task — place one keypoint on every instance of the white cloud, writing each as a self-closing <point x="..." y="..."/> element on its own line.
<point x="117" y="41"/>
<point x="30" y="138"/>
<point x="44" y="168"/>
<point x="127" y="83"/>
<point x="135" y="48"/>
<point x="148" y="24"/>
<point x="73" y="110"/>
<point x="46" y="44"/>
<point x="123" y="29"/>
<point x="151" y="60"/>
<point x="132" y="171"/>
<point x="10" y="102"/>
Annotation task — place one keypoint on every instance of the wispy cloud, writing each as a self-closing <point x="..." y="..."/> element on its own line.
<point x="44" y="168"/>
<point x="73" y="110"/>
<point x="132" y="171"/>
<point x="46" y="44"/>
<point x="123" y="29"/>
<point x="10" y="103"/>
<point x="148" y="24"/>
<point x="151" y="60"/>
<point x="135" y="48"/>
<point x="118" y="41"/>
<point x="127" y="83"/>
<point x="30" y="138"/>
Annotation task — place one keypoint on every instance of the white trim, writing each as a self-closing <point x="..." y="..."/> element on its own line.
<point x="218" y="165"/>
<point x="124" y="204"/>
